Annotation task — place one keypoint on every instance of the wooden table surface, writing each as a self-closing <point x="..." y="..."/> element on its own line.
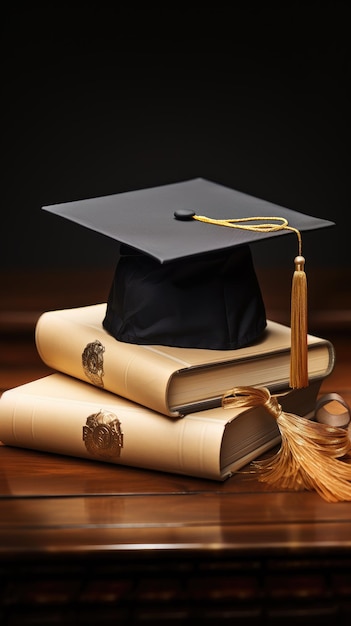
<point x="55" y="508"/>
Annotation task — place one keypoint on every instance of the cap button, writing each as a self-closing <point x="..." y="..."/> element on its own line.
<point x="184" y="214"/>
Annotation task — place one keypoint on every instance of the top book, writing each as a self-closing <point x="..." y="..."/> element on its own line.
<point x="170" y="380"/>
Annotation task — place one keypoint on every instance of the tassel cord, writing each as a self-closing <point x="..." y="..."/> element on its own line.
<point x="275" y="224"/>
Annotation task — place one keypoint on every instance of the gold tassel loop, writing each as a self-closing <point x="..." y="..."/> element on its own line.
<point x="241" y="397"/>
<point x="299" y="353"/>
<point x="312" y="455"/>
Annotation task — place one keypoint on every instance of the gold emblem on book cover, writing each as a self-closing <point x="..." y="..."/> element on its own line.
<point x="93" y="362"/>
<point x="103" y="436"/>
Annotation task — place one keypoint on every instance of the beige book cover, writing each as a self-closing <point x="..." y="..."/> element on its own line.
<point x="170" y="380"/>
<point x="62" y="415"/>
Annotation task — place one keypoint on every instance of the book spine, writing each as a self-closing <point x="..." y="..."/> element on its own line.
<point x="105" y="432"/>
<point x="91" y="355"/>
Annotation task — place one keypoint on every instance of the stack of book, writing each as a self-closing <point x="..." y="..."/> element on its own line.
<point x="152" y="406"/>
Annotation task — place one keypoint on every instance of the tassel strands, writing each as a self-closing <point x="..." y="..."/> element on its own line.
<point x="312" y="456"/>
<point x="299" y="353"/>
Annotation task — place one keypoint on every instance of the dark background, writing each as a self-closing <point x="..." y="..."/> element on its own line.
<point x="99" y="101"/>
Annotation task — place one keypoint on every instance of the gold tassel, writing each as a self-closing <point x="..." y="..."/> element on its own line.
<point x="312" y="456"/>
<point x="298" y="358"/>
<point x="299" y="352"/>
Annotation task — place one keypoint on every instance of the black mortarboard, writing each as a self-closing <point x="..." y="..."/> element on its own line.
<point x="181" y="281"/>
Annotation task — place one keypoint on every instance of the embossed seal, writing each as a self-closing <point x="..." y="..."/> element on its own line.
<point x="93" y="362"/>
<point x="103" y="436"/>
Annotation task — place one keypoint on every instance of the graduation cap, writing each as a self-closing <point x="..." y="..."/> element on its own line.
<point x="185" y="275"/>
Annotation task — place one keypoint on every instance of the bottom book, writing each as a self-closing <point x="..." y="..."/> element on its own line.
<point x="61" y="415"/>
